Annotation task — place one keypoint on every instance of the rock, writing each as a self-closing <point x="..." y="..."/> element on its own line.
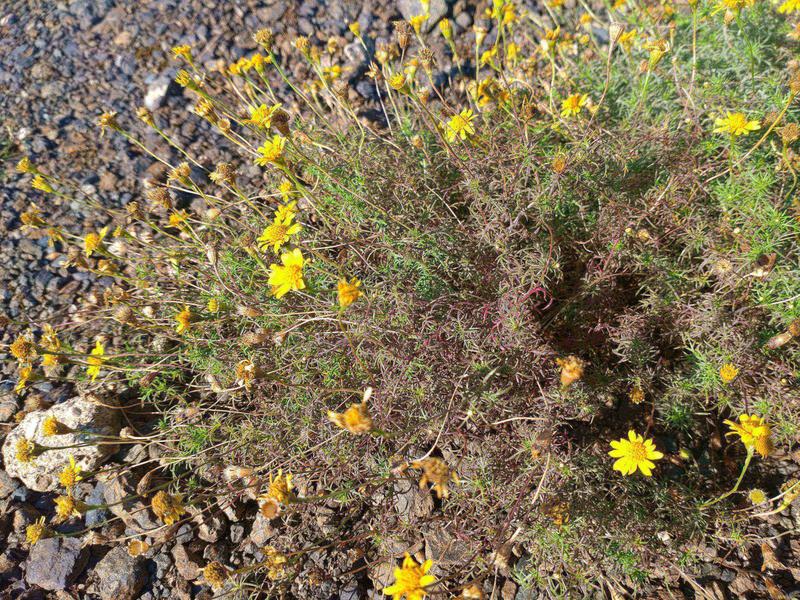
<point x="157" y="92"/>
<point x="54" y="563"/>
<point x="412" y="8"/>
<point x="119" y="576"/>
<point x="120" y="495"/>
<point x="410" y="502"/>
<point x="81" y="415"/>
<point x="187" y="563"/>
<point x="7" y="485"/>
<point x="211" y="527"/>
<point x="262" y="530"/>
<point x="9" y="405"/>
<point x="381" y="573"/>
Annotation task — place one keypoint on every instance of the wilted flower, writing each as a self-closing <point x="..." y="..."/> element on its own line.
<point x="280" y="487"/>
<point x="348" y="292"/>
<point x="356" y="419"/>
<point x="435" y="471"/>
<point x="166" y="507"/>
<point x="23" y="349"/>
<point x="215" y="574"/>
<point x="571" y="369"/>
<point x="37" y="531"/>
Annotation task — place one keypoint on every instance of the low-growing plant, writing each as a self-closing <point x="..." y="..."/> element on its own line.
<point x="585" y="233"/>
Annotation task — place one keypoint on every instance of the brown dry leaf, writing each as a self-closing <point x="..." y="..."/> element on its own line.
<point x="771" y="561"/>
<point x="773" y="590"/>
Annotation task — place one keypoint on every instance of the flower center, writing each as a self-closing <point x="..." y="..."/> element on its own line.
<point x="638" y="451"/>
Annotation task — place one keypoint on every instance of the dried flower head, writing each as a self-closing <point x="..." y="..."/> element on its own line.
<point x="26" y="451"/>
<point x="280" y="487"/>
<point x="356" y="419"/>
<point x="108" y="120"/>
<point x="436" y="472"/>
<point x="52" y="426"/>
<point x="264" y="38"/>
<point x="275" y="561"/>
<point x="572" y="369"/>
<point x="167" y="507"/>
<point x="24" y="349"/>
<point x="757" y="496"/>
<point x="137" y="547"/>
<point x="215" y="574"/>
<point x="68" y="507"/>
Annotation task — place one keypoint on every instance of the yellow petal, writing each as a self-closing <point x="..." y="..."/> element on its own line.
<point x="617" y="453"/>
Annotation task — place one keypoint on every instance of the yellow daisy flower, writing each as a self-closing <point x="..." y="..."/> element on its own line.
<point x="271" y="151"/>
<point x="460" y="126"/>
<point x="634" y="453"/>
<point x="411" y="580"/>
<point x="95" y="360"/>
<point x="736" y="124"/>
<point x="754" y="432"/>
<point x="278" y="232"/>
<point x="572" y="105"/>
<point x="348" y="292"/>
<point x="287" y="276"/>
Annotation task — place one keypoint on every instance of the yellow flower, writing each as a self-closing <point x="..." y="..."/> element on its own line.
<point x="436" y="472"/>
<point x="355" y="419"/>
<point x="348" y="292"/>
<point x="754" y="432"/>
<point x="789" y="6"/>
<point x="23" y="349"/>
<point x="25" y="166"/>
<point x="355" y="29"/>
<point x="280" y="487"/>
<point x="183" y="51"/>
<point x="728" y="373"/>
<point x="733" y="5"/>
<point x="410" y="580"/>
<point x="178" y="218"/>
<point x="137" y="547"/>
<point x="626" y="39"/>
<point x="417" y="21"/>
<point x="32" y="218"/>
<point x="50" y="342"/>
<point x="736" y="124"/>
<point x="213" y="305"/>
<point x="446" y="29"/>
<point x="93" y="241"/>
<point x="52" y="426"/>
<point x="634" y="453"/>
<point x="71" y="474"/>
<point x="67" y="507"/>
<point x="95" y="360"/>
<point x="271" y="151"/>
<point x="275" y="562"/>
<point x="573" y="104"/>
<point x="215" y="574"/>
<point x="397" y="81"/>
<point x="25" y="451"/>
<point x="108" y="120"/>
<point x="279" y="232"/>
<point x="261" y="116"/>
<point x="184" y="320"/>
<point x="289" y="275"/>
<point x="460" y="126"/>
<point x="37" y="531"/>
<point x="167" y="508"/>
<point x="757" y="496"/>
<point x="286" y="189"/>
<point x="24" y="376"/>
<point x="40" y="183"/>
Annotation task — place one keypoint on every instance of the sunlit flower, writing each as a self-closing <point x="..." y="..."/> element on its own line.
<point x="789" y="6"/>
<point x="271" y="151"/>
<point x="275" y="561"/>
<point x="32" y="218"/>
<point x="411" y="580"/>
<point x="23" y="349"/>
<point x="355" y="28"/>
<point x="728" y="373"/>
<point x="436" y="472"/>
<point x="166" y="507"/>
<point x="348" y="292"/>
<point x="287" y="276"/>
<point x="178" y="218"/>
<point x="93" y="241"/>
<point x="213" y="305"/>
<point x="137" y="547"/>
<point x="261" y="116"/>
<point x="460" y="126"/>
<point x="285" y="210"/>
<point x="25" y="450"/>
<point x="108" y="120"/>
<point x="52" y="426"/>
<point x="736" y="124"/>
<point x="634" y="453"/>
<point x="25" y="374"/>
<point x="278" y="232"/>
<point x="71" y="474"/>
<point x="95" y="360"/>
<point x="41" y="184"/>
<point x="68" y="507"/>
<point x="626" y="39"/>
<point x="183" y="319"/>
<point x="417" y="21"/>
<point x="37" y="531"/>
<point x="25" y="166"/>
<point x="245" y="373"/>
<point x="573" y="104"/>
<point x="356" y="419"/>
<point x="754" y="432"/>
<point x="280" y="487"/>
<point x="183" y="51"/>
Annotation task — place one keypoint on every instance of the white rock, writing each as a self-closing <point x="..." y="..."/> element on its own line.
<point x="86" y="417"/>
